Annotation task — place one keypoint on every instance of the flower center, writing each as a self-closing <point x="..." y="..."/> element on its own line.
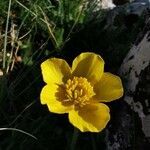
<point x="78" y="91"/>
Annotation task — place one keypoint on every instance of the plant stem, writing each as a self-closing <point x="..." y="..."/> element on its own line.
<point x="93" y="142"/>
<point x="74" y="139"/>
<point x="5" y="39"/>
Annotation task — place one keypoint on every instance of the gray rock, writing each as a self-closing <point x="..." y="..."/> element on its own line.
<point x="129" y="128"/>
<point x="136" y="71"/>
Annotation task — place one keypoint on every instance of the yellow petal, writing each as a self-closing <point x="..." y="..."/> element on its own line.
<point x="49" y="96"/>
<point x="55" y="70"/>
<point x="93" y="118"/>
<point x="88" y="65"/>
<point x="108" y="88"/>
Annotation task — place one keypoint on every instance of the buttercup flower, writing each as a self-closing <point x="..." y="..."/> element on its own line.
<point x="80" y="91"/>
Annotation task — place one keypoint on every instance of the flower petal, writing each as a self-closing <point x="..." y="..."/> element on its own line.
<point x="49" y="96"/>
<point x="93" y="118"/>
<point x="88" y="65"/>
<point x="55" y="70"/>
<point x="108" y="88"/>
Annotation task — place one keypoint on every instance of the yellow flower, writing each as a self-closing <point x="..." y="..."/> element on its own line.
<point x="80" y="91"/>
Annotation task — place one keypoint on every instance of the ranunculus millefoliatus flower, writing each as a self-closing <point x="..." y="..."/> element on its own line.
<point x="80" y="90"/>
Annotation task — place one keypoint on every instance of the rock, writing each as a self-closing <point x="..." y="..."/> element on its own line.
<point x="124" y="132"/>
<point x="137" y="7"/>
<point x="136" y="72"/>
<point x="101" y="5"/>
<point x="120" y="2"/>
<point x="129" y="128"/>
<point x="107" y="4"/>
<point x="130" y="11"/>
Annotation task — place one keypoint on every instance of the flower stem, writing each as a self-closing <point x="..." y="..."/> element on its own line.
<point x="93" y="142"/>
<point x="74" y="139"/>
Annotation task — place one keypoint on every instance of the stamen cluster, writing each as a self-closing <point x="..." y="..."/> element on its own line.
<point x="79" y="91"/>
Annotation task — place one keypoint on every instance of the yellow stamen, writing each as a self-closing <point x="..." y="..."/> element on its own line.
<point x="78" y="91"/>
